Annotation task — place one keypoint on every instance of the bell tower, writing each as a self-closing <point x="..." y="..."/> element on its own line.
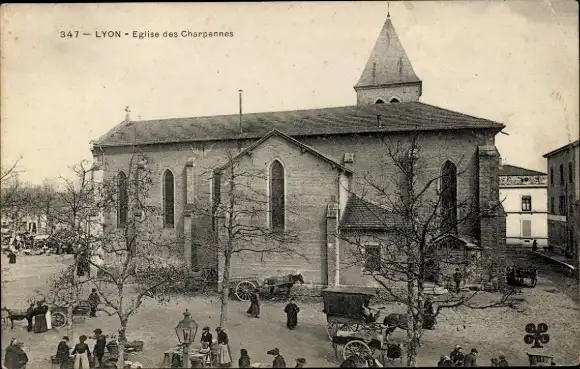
<point x="388" y="76"/>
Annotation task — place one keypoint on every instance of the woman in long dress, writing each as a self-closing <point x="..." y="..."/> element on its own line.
<point x="224" y="353"/>
<point x="291" y="311"/>
<point x="254" y="309"/>
<point x="40" y="318"/>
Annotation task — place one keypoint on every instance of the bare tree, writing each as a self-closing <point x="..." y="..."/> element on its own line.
<point x="139" y="262"/>
<point x="417" y="239"/>
<point x="238" y="212"/>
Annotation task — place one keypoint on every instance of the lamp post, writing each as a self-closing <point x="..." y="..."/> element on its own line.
<point x="186" y="331"/>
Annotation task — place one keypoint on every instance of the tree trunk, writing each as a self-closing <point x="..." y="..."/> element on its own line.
<point x="122" y="340"/>
<point x="225" y="292"/>
<point x="69" y="321"/>
<point x="411" y="341"/>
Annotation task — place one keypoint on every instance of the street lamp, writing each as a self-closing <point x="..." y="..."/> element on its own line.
<point x="186" y="331"/>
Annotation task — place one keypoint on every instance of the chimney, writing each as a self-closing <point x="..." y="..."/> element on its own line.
<point x="241" y="127"/>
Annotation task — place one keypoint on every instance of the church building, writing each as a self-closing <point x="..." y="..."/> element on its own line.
<point x="315" y="166"/>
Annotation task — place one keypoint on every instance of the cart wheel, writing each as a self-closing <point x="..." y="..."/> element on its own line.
<point x="356" y="348"/>
<point x="243" y="290"/>
<point x="58" y="319"/>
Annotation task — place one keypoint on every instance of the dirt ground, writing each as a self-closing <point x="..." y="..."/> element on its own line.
<point x="492" y="332"/>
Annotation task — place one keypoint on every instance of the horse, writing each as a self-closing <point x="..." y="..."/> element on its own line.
<point x="12" y="315"/>
<point x="394" y="321"/>
<point x="285" y="282"/>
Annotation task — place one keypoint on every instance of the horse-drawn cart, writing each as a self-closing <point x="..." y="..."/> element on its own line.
<point x="242" y="287"/>
<point x="360" y="335"/>
<point x="58" y="314"/>
<point x="517" y="274"/>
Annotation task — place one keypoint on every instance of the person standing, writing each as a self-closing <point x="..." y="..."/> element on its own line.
<point x="254" y="309"/>
<point x="244" y="360"/>
<point x="457" y="279"/>
<point x="206" y="337"/>
<point x="11" y="257"/>
<point x="15" y="357"/>
<point x="82" y="353"/>
<point x="291" y="311"/>
<point x="300" y="362"/>
<point x="40" y="325"/>
<point x="279" y="361"/>
<point x="99" y="349"/>
<point x="29" y="316"/>
<point x="535" y="245"/>
<point x="471" y="358"/>
<point x="63" y="353"/>
<point x="94" y="301"/>
<point x="224" y="353"/>
<point x="457" y="356"/>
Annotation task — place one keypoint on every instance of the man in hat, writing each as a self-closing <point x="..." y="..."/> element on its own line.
<point x="99" y="349"/>
<point x="300" y="362"/>
<point x="94" y="301"/>
<point x="29" y="316"/>
<point x="471" y="358"/>
<point x="279" y="361"/>
<point x="15" y="357"/>
<point x="457" y="279"/>
<point x="291" y="311"/>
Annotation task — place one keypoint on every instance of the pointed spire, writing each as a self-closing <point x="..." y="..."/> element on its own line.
<point x="388" y="63"/>
<point x="388" y="9"/>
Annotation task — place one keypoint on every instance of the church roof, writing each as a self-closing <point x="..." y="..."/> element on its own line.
<point x="277" y="133"/>
<point x="406" y="116"/>
<point x="388" y="63"/>
<point x="362" y="214"/>
<point x="512" y="170"/>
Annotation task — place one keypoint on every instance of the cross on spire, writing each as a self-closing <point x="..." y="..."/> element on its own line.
<point x="127" y="116"/>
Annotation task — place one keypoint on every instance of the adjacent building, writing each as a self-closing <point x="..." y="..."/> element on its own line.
<point x="315" y="163"/>
<point x="523" y="193"/>
<point x="563" y="195"/>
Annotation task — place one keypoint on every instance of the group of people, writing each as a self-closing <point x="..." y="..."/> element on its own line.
<point x="458" y="358"/>
<point x="38" y="317"/>
<point x="81" y="351"/>
<point x="278" y="362"/>
<point x="291" y="309"/>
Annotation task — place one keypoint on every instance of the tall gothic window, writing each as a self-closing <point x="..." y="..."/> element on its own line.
<point x="449" y="197"/>
<point x="123" y="200"/>
<point x="168" y="199"/>
<point x="277" y="213"/>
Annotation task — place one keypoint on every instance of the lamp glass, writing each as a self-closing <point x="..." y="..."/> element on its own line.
<point x="186" y="329"/>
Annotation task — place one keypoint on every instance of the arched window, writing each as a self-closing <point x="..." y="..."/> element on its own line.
<point x="123" y="200"/>
<point x="277" y="191"/>
<point x="168" y="199"/>
<point x="379" y="101"/>
<point x="449" y="197"/>
<point x="394" y="100"/>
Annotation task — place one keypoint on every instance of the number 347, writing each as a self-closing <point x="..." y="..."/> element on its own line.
<point x="64" y="34"/>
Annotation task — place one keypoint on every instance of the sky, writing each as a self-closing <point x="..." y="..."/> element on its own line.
<point x="514" y="62"/>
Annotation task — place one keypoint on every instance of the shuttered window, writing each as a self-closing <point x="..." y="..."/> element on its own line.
<point x="526" y="228"/>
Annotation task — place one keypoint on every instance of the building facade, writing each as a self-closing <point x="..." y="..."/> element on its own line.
<point x="313" y="165"/>
<point x="563" y="193"/>
<point x="523" y="193"/>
